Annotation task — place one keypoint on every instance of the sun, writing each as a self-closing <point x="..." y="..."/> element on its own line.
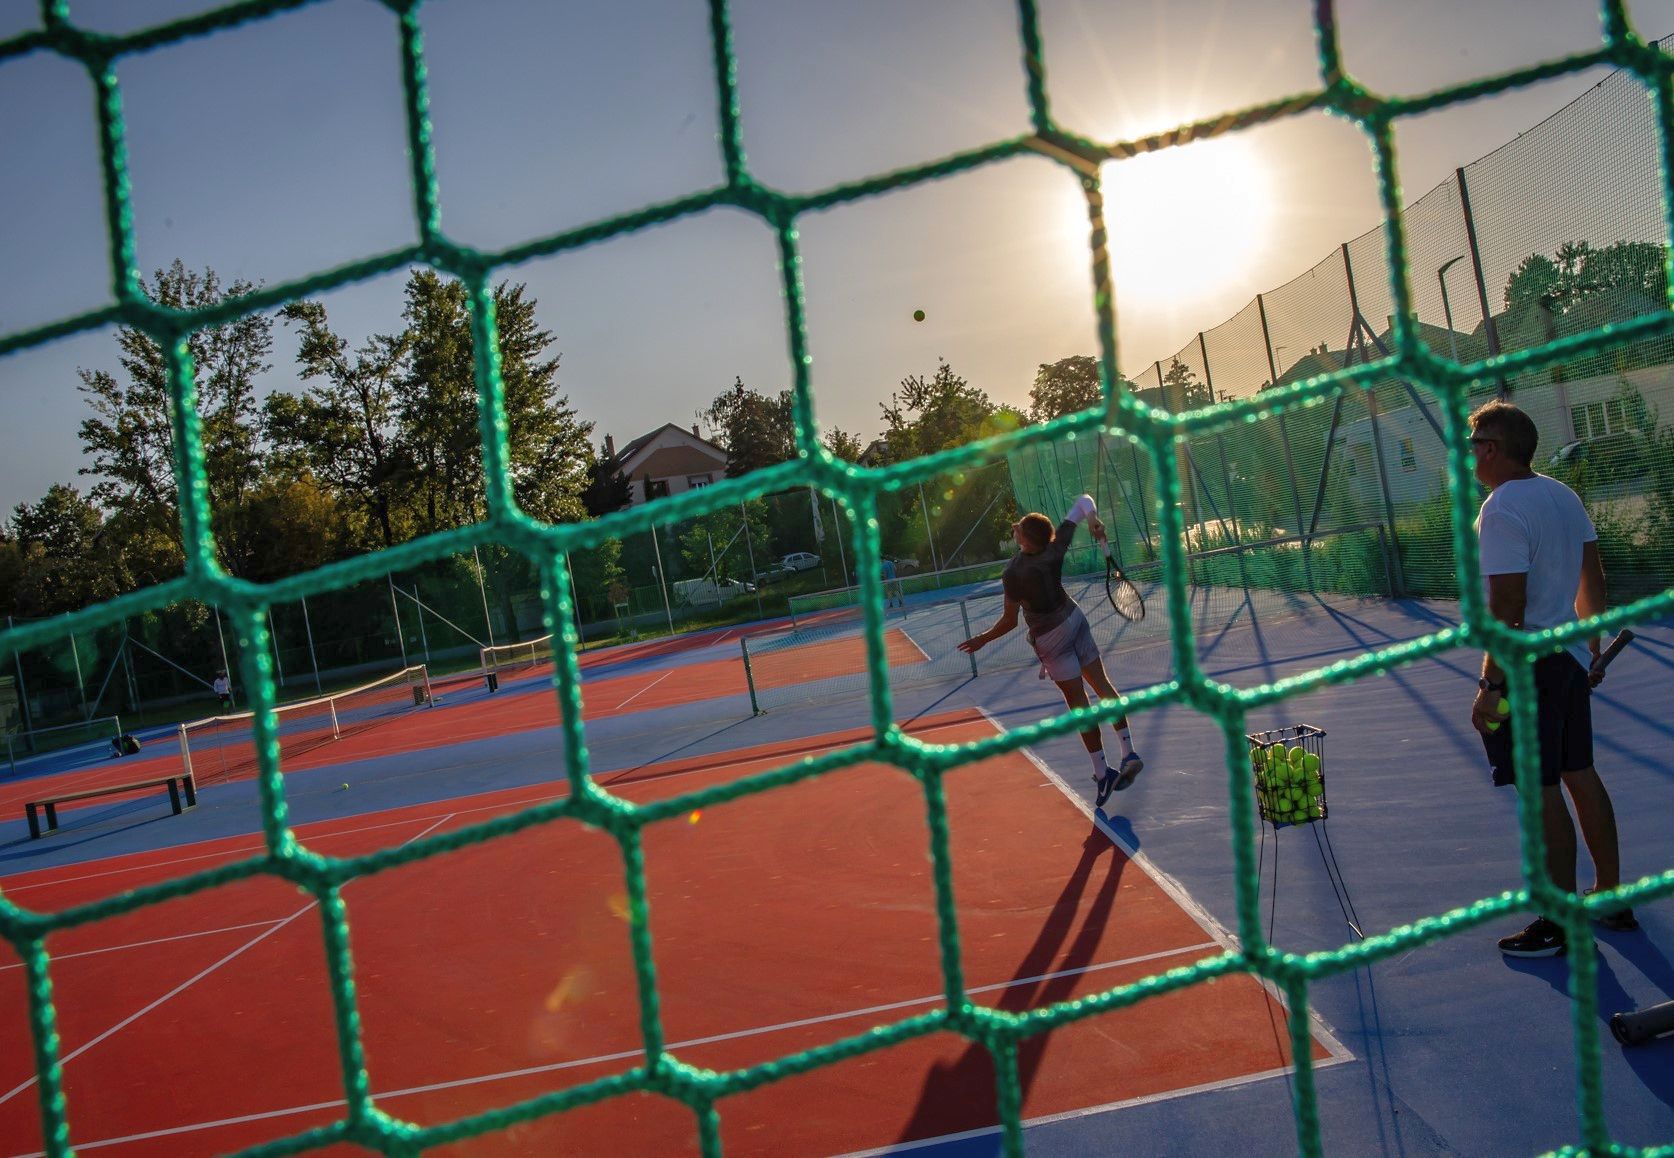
<point x="1183" y="222"/>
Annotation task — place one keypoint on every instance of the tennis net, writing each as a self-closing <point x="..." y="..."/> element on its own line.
<point x="223" y="747"/>
<point x="32" y="741"/>
<point x="530" y="653"/>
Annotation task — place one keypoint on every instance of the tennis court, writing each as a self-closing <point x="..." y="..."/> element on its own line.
<point x="495" y="980"/>
<point x="826" y="884"/>
<point x="800" y="918"/>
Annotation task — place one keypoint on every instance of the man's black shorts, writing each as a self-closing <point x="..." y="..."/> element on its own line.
<point x="1564" y="722"/>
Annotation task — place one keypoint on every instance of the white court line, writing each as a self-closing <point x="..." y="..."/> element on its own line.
<point x="143" y="944"/>
<point x="909" y="639"/>
<point x="29" y="1083"/>
<point x="643" y="690"/>
<point x="623" y="1055"/>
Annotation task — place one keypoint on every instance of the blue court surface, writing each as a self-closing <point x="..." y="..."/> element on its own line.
<point x="1451" y="1048"/>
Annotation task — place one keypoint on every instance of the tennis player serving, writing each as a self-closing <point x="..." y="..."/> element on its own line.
<point x="1059" y="632"/>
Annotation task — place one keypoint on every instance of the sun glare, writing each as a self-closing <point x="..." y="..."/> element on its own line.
<point x="1185" y="221"/>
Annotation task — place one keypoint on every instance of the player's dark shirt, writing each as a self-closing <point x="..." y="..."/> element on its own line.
<point x="1036" y="582"/>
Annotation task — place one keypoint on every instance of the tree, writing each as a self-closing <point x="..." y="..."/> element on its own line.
<point x="437" y="412"/>
<point x="295" y="525"/>
<point x="598" y="571"/>
<point x="607" y="489"/>
<point x="927" y="415"/>
<point x="754" y="429"/>
<point x="1064" y="387"/>
<point x="1581" y="271"/>
<point x="722" y="532"/>
<point x="1182" y="390"/>
<point x="1536" y="280"/>
<point x="844" y="445"/>
<point x="342" y="431"/>
<point x="130" y="441"/>
<point x="63" y="564"/>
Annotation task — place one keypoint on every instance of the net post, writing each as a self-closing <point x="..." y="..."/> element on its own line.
<point x="1489" y="330"/>
<point x="1284" y="441"/>
<point x="965" y="621"/>
<point x="336" y="732"/>
<point x="749" y="676"/>
<point x="424" y="679"/>
<point x="185" y="749"/>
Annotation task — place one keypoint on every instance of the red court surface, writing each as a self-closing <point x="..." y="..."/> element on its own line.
<point x="502" y="971"/>
<point x="480" y="719"/>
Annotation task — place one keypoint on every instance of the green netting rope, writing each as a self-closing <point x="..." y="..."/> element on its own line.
<point x="857" y="488"/>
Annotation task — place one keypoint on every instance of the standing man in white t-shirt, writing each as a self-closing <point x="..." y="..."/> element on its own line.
<point x="223" y="690"/>
<point x="1541" y="568"/>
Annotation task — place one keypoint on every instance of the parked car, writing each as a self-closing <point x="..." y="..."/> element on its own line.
<point x="799" y="561"/>
<point x="1607" y="458"/>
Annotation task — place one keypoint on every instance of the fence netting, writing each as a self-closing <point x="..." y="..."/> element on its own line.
<point x="1291" y="453"/>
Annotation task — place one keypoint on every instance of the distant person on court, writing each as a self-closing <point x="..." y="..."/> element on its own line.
<point x="1059" y="632"/>
<point x="1541" y="568"/>
<point x="223" y="690"/>
<point x="893" y="594"/>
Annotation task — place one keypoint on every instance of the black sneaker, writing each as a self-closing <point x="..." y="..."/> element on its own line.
<point x="1617" y="920"/>
<point x="1105" y="781"/>
<point x="1542" y="938"/>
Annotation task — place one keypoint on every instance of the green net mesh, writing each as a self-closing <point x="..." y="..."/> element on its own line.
<point x="1159" y="531"/>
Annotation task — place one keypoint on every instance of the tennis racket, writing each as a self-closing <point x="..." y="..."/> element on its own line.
<point x="1623" y="638"/>
<point x="1119" y="589"/>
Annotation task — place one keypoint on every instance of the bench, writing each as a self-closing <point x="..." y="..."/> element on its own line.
<point x="179" y="784"/>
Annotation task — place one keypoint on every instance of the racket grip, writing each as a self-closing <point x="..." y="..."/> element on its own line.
<point x="1108" y="553"/>
<point x="1623" y="638"/>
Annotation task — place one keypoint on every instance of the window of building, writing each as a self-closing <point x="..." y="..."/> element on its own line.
<point x="1596" y="419"/>
<point x="694" y="481"/>
<point x="656" y="488"/>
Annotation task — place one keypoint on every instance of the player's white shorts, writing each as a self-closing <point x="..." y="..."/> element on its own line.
<point x="1067" y="648"/>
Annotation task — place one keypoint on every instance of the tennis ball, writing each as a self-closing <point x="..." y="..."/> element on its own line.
<point x="918" y="315"/>
<point x="1504" y="710"/>
<point x="1316" y="809"/>
<point x="1310" y="766"/>
<point x="1297" y="755"/>
<point x="345" y="788"/>
<point x="1296" y="775"/>
<point x="1257" y="760"/>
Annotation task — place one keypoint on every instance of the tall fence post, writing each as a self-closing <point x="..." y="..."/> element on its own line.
<point x="482" y="589"/>
<point x="23" y="687"/>
<point x="750" y="550"/>
<point x="313" y="658"/>
<point x="1488" y="328"/>
<point x="1397" y="577"/>
<point x="929" y="535"/>
<point x="662" y="577"/>
<point x="400" y="636"/>
<point x="1226" y="468"/>
<point x="1284" y="440"/>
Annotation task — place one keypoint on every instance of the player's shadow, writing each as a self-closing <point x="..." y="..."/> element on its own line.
<point x="961" y="1095"/>
<point x="1652" y="1064"/>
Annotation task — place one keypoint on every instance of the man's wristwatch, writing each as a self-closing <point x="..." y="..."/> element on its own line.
<point x="1487" y="685"/>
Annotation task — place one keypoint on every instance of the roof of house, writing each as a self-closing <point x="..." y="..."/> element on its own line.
<point x="633" y="448"/>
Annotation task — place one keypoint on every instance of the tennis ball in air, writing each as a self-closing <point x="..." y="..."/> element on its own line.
<point x="918" y="315"/>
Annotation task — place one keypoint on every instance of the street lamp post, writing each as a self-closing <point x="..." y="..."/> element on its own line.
<point x="1447" y="312"/>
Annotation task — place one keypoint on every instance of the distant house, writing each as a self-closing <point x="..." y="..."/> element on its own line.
<point x="667" y="461"/>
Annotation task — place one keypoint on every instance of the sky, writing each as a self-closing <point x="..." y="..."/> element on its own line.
<point x="278" y="150"/>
